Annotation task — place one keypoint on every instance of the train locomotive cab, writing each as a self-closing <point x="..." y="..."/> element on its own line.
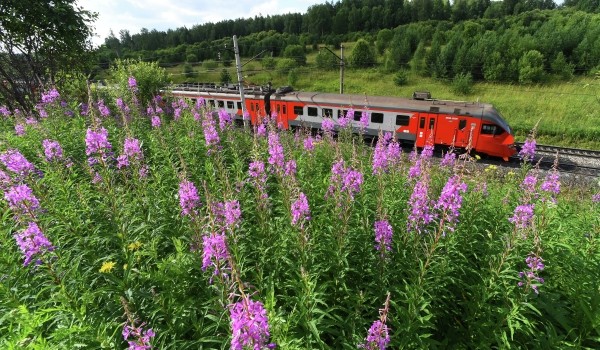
<point x="494" y="136"/>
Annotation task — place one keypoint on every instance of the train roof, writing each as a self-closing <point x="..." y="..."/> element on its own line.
<point x="421" y="102"/>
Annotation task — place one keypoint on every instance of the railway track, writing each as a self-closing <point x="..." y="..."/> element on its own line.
<point x="576" y="161"/>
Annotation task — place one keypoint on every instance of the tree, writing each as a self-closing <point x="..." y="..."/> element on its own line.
<point x="295" y="52"/>
<point x="225" y="77"/>
<point x="362" y="56"/>
<point x="326" y="60"/>
<point x="531" y="67"/>
<point x="39" y="40"/>
<point x="150" y="78"/>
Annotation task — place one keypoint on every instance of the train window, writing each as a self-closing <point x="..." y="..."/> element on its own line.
<point x="327" y="112"/>
<point x="239" y="105"/>
<point x="312" y="111"/>
<point x="257" y="109"/>
<point x="284" y="110"/>
<point x="462" y="124"/>
<point x="298" y="110"/>
<point x="342" y="113"/>
<point x="221" y="104"/>
<point x="402" y="119"/>
<point x="487" y="129"/>
<point x="431" y="123"/>
<point x="252" y="107"/>
<point x="358" y="114"/>
<point x="422" y="123"/>
<point x="377" y="118"/>
<point x="211" y="103"/>
<point x="230" y="104"/>
<point x="278" y="109"/>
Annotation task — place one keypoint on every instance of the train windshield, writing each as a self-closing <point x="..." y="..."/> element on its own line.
<point x="495" y="117"/>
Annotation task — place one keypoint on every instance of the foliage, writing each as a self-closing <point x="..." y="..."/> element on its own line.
<point x="268" y="63"/>
<point x="210" y="64"/>
<point x="131" y="251"/>
<point x="188" y="71"/>
<point x="40" y="41"/>
<point x="295" y="52"/>
<point x="225" y="77"/>
<point x="462" y="84"/>
<point x="284" y="65"/>
<point x="292" y="77"/>
<point x="362" y="55"/>
<point x="326" y="60"/>
<point x="401" y="78"/>
<point x="531" y="67"/>
<point x="562" y="68"/>
<point x="150" y="78"/>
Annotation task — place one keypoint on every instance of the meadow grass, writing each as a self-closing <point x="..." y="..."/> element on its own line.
<point x="193" y="240"/>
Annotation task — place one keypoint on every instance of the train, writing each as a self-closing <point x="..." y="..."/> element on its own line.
<point x="415" y="121"/>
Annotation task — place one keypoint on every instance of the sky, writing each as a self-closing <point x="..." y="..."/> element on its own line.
<point x="162" y="15"/>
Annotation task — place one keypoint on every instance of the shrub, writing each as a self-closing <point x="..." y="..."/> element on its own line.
<point x="401" y="78"/>
<point x="531" y="67"/>
<point x="462" y="84"/>
<point x="284" y="65"/>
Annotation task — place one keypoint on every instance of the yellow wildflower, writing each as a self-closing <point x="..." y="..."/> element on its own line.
<point x="107" y="266"/>
<point x="135" y="245"/>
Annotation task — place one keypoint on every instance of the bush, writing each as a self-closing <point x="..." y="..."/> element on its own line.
<point x="531" y="67"/>
<point x="293" y="77"/>
<point x="268" y="63"/>
<point x="191" y="58"/>
<point x="326" y="60"/>
<point x="401" y="78"/>
<point x="362" y="56"/>
<point x="295" y="52"/>
<point x="284" y="65"/>
<point x="210" y="64"/>
<point x="462" y="84"/>
<point x="188" y="70"/>
<point x="150" y="78"/>
<point x="562" y="68"/>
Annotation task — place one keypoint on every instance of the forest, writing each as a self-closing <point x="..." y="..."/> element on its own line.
<point x="496" y="41"/>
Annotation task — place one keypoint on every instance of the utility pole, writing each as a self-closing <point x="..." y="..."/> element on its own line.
<point x="238" y="65"/>
<point x="341" y="65"/>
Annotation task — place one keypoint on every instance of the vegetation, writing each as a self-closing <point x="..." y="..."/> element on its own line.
<point x="42" y="43"/>
<point x="165" y="227"/>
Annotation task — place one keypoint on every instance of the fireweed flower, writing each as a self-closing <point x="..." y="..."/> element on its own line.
<point x="364" y="120"/>
<point x="345" y="120"/>
<point x="188" y="198"/>
<point x="137" y="337"/>
<point x="448" y="160"/>
<point x="352" y="182"/>
<point x="450" y="201"/>
<point x="215" y="254"/>
<point x="246" y="115"/>
<point x="290" y="168"/>
<point x="4" y="111"/>
<point x="131" y="148"/>
<point x="211" y="137"/>
<point x="103" y="109"/>
<point x="327" y="125"/>
<point x="232" y="213"/>
<point x="380" y="157"/>
<point x="596" y="198"/>
<point x="551" y="185"/>
<point x="300" y="211"/>
<point x="257" y="172"/>
<point x="224" y="119"/>
<point x="33" y="243"/>
<point x="249" y="325"/>
<point x="19" y="129"/>
<point x="528" y="184"/>
<point x="22" y="201"/>
<point x="50" y="96"/>
<point x="523" y="216"/>
<point x="530" y="277"/>
<point x="155" y="121"/>
<point x="309" y="145"/>
<point x="419" y="213"/>
<point x="15" y="162"/>
<point x="52" y="150"/>
<point x="97" y="142"/>
<point x="378" y="337"/>
<point x="383" y="237"/>
<point x="527" y="152"/>
<point x="276" y="157"/>
<point x="427" y="152"/>
<point x="132" y="83"/>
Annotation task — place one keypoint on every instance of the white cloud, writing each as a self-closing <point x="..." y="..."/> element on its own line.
<point x="133" y="15"/>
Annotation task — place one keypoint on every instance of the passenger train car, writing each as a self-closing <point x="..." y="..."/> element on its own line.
<point x="415" y="121"/>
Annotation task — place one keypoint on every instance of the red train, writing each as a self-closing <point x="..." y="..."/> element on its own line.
<point x="414" y="121"/>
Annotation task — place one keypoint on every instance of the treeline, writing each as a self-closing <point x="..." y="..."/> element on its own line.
<point x="511" y="41"/>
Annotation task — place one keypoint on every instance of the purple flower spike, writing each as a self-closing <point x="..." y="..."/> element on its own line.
<point x="15" y="162"/>
<point x="52" y="150"/>
<point x="33" y="243"/>
<point x="523" y="216"/>
<point x="383" y="237"/>
<point x="137" y="338"/>
<point x="300" y="210"/>
<point x="249" y="325"/>
<point x="215" y="254"/>
<point x="188" y="198"/>
<point x="378" y="337"/>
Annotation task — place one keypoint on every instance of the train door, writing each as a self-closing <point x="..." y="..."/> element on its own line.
<point x="282" y="113"/>
<point x="426" y="126"/>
